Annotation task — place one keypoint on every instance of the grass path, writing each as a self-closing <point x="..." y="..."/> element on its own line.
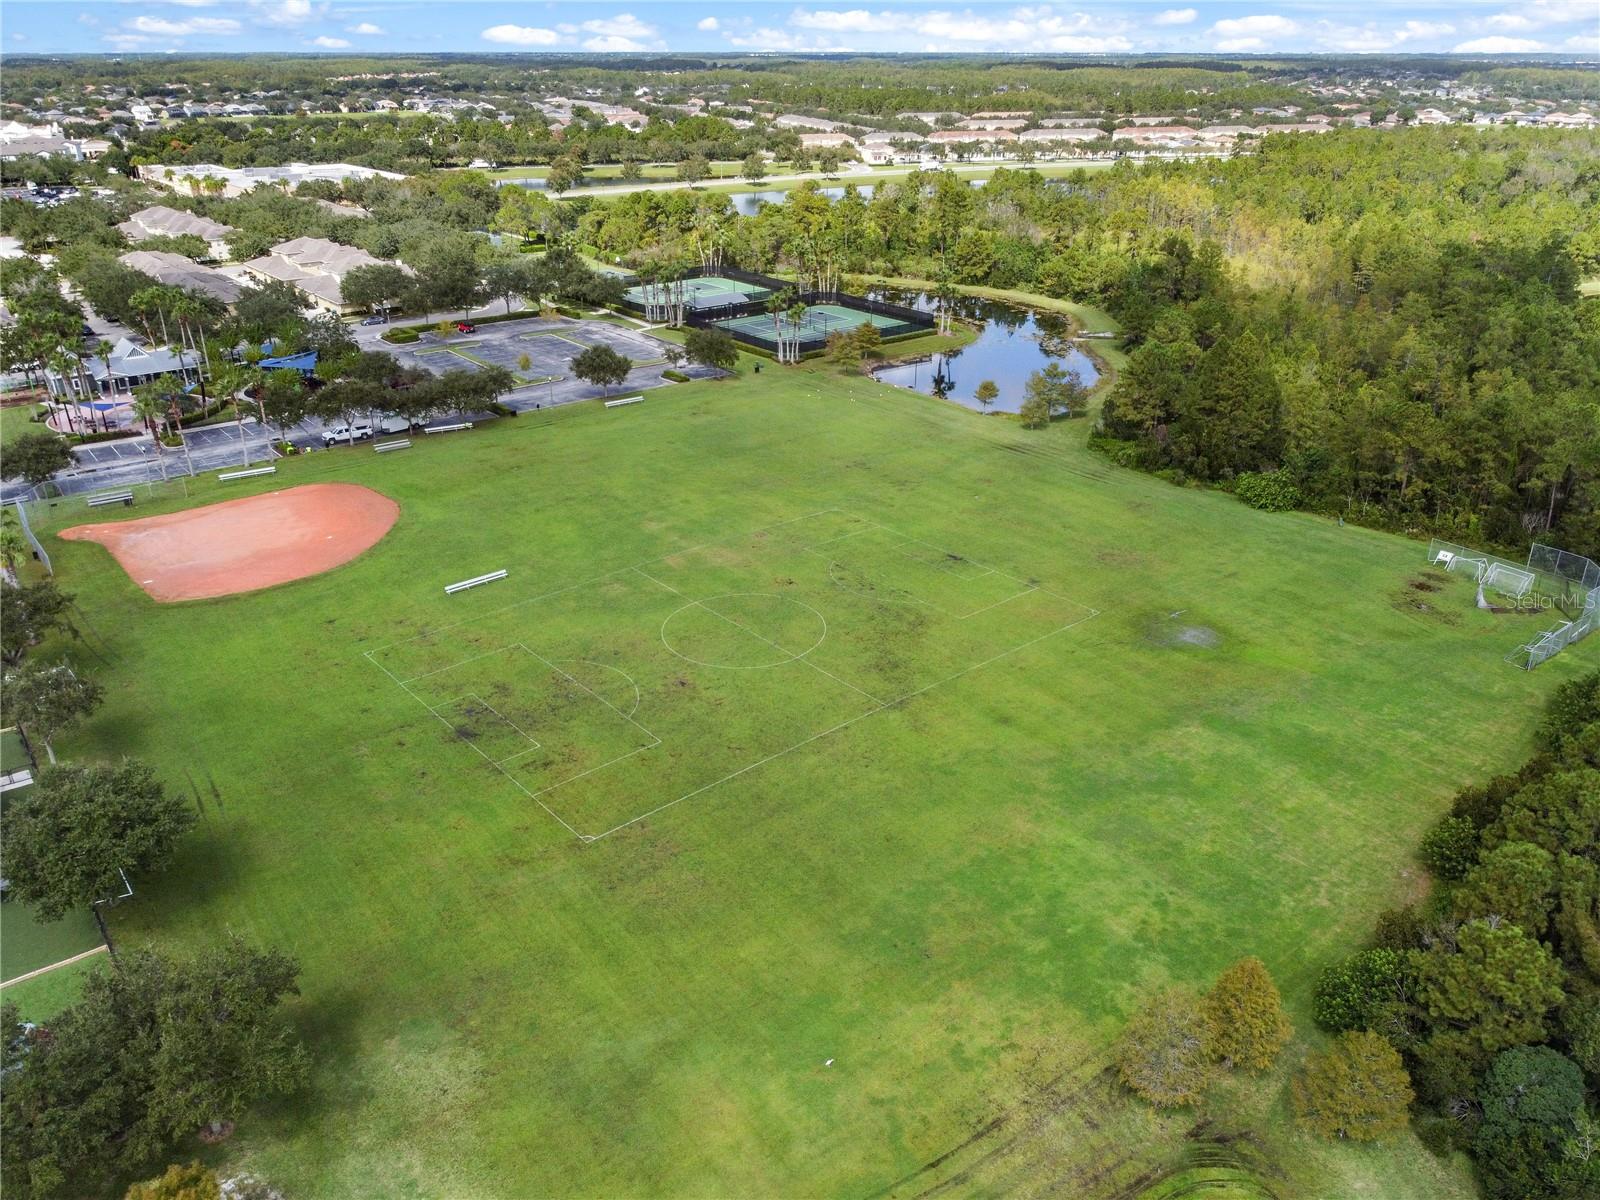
<point x="955" y="901"/>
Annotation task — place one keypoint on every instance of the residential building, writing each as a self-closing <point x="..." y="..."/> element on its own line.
<point x="822" y="141"/>
<point x="160" y="221"/>
<point x="986" y="123"/>
<point x="315" y="267"/>
<point x="175" y="270"/>
<point x="789" y="121"/>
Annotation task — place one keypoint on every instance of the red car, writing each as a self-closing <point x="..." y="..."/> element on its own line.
<point x="466" y="327"/>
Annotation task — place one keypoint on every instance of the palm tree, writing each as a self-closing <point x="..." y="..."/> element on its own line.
<point x="170" y="388"/>
<point x="102" y="351"/>
<point x="150" y="406"/>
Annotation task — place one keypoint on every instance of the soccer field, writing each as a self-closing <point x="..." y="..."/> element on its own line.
<point x="829" y="774"/>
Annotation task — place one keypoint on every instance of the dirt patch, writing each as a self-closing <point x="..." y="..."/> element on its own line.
<point x="248" y="544"/>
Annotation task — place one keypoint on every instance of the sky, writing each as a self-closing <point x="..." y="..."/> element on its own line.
<point x="1566" y="27"/>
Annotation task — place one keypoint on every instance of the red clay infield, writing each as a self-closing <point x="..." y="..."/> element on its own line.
<point x="244" y="545"/>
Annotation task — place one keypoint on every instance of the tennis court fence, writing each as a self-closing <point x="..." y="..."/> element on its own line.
<point x="893" y="321"/>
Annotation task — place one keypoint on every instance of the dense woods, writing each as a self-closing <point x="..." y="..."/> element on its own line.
<point x="1490" y="988"/>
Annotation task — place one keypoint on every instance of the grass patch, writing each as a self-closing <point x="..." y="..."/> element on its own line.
<point x="955" y="899"/>
<point x="16" y="419"/>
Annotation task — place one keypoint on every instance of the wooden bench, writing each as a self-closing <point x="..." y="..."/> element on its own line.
<point x="459" y="425"/>
<point x="397" y="444"/>
<point x="452" y="588"/>
<point x="123" y="498"/>
<point x="624" y="400"/>
<point x="227" y="475"/>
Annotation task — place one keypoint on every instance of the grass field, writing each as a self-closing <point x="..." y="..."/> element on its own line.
<point x="14" y="421"/>
<point x="1065" y="733"/>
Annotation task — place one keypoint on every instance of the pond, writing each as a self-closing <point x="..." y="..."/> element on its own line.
<point x="1013" y="343"/>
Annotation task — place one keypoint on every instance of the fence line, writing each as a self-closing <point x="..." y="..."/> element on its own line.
<point x="39" y="551"/>
<point x="1570" y="581"/>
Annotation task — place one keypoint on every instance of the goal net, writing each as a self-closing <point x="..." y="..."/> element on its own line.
<point x="1509" y="581"/>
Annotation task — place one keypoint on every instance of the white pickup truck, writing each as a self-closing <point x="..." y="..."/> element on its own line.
<point x="358" y="432"/>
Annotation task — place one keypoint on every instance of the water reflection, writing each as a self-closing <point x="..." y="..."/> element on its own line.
<point x="1013" y="343"/>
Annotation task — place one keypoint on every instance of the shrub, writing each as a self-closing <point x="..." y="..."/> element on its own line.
<point x="1450" y="848"/>
<point x="675" y="376"/>
<point x="1244" y="1016"/>
<point x="104" y="435"/>
<point x="1356" y="1089"/>
<point x="1164" y="1054"/>
<point x="1573" y="706"/>
<point x="401" y="337"/>
<point x="1270" y="491"/>
<point x="1351" y="992"/>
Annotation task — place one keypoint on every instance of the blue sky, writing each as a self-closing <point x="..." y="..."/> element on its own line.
<point x="1333" y="26"/>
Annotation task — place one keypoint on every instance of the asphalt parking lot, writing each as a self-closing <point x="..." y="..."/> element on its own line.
<point x="549" y="346"/>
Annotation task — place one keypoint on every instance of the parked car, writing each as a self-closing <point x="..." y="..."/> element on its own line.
<point x="376" y="321"/>
<point x="466" y="327"/>
<point x="359" y="432"/>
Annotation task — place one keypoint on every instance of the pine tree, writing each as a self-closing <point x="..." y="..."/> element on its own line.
<point x="1357" y="1089"/>
<point x="1164" y="1054"/>
<point x="1244" y="1016"/>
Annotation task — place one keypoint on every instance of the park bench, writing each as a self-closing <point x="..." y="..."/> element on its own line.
<point x="624" y="400"/>
<point x="397" y="444"/>
<point x="459" y="425"/>
<point x="123" y="498"/>
<point x="227" y="475"/>
<point x="452" y="588"/>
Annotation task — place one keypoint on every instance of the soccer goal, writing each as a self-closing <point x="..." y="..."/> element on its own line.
<point x="1455" y="561"/>
<point x="1509" y="581"/>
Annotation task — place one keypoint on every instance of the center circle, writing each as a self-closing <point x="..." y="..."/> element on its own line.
<point x="744" y="631"/>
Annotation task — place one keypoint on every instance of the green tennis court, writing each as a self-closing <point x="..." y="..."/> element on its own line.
<point x="706" y="291"/>
<point x="819" y="321"/>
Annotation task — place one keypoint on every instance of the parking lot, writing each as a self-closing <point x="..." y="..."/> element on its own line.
<point x="549" y="346"/>
<point x="130" y="461"/>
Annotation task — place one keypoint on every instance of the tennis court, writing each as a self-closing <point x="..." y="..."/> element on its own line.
<point x="704" y="291"/>
<point x="818" y="322"/>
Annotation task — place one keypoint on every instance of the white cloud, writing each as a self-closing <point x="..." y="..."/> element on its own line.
<point x="365" y="27"/>
<point x="1540" y="14"/>
<point x="770" y="39"/>
<point x="854" y="20"/>
<point x="623" y="27"/>
<point x="1368" y="38"/>
<point x="520" y="35"/>
<point x="611" y="44"/>
<point x="1175" y="16"/>
<point x="1500" y="45"/>
<point x="19" y="37"/>
<point x="1264" y="25"/>
<point x="287" y="12"/>
<point x="193" y="3"/>
<point x="1584" y="43"/>
<point x="708" y="25"/>
<point x="183" y="28"/>
<point x="1242" y="45"/>
<point x="1038" y="28"/>
<point x="126" y="41"/>
<point x="330" y="43"/>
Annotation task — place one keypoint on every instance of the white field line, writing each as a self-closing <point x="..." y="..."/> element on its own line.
<point x="1026" y="587"/>
<point x="898" y="700"/>
<point x="65" y="962"/>
<point x="793" y="657"/>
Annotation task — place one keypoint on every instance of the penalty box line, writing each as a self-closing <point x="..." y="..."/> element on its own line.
<point x="888" y="704"/>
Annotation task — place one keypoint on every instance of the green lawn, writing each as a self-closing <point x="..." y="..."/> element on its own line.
<point x="14" y="420"/>
<point x="950" y="880"/>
